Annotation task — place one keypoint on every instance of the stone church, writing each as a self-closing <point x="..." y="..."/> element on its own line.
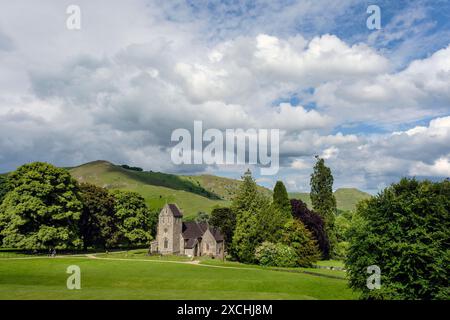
<point x="186" y="238"/>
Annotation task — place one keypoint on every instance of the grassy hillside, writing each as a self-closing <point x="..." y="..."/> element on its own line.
<point x="157" y="188"/>
<point x="346" y="198"/>
<point x="225" y="188"/>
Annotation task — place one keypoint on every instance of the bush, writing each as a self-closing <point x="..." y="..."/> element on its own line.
<point x="275" y="255"/>
<point x="405" y="230"/>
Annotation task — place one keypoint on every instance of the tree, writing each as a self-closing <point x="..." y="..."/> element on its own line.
<point x="41" y="210"/>
<point x="322" y="198"/>
<point x="271" y="220"/>
<point x="202" y="217"/>
<point x="301" y="240"/>
<point x="224" y="219"/>
<point x="98" y="226"/>
<point x="247" y="205"/>
<point x="133" y="218"/>
<point x="405" y="231"/>
<point x="281" y="199"/>
<point x="3" y="187"/>
<point x="314" y="223"/>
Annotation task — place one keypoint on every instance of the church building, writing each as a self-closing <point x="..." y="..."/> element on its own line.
<point x="186" y="238"/>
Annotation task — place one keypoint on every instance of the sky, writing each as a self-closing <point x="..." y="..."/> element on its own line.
<point x="374" y="103"/>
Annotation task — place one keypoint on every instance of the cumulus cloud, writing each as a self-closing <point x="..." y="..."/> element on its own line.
<point x="118" y="87"/>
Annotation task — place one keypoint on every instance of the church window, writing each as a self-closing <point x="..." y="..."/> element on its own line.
<point x="166" y="243"/>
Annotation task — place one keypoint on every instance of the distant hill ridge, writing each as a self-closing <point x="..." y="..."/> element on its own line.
<point x="346" y="198"/>
<point x="191" y="193"/>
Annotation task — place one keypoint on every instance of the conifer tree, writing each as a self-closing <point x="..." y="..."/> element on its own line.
<point x="281" y="199"/>
<point x="323" y="199"/>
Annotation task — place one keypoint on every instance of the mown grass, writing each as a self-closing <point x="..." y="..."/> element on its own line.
<point x="45" y="278"/>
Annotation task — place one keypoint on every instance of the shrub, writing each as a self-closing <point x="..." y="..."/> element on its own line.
<point x="275" y="255"/>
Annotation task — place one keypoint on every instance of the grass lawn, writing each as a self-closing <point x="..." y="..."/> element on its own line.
<point x="331" y="263"/>
<point x="45" y="278"/>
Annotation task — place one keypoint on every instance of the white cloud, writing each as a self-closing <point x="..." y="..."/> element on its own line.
<point x="117" y="88"/>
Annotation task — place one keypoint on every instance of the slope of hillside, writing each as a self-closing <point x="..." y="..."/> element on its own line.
<point x="346" y="198"/>
<point x="225" y="188"/>
<point x="157" y="188"/>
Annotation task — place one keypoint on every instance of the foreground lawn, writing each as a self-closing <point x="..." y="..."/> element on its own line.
<point x="45" y="278"/>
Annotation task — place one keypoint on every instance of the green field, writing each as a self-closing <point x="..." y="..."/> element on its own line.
<point x="129" y="276"/>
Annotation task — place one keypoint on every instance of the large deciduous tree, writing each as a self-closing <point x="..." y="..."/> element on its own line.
<point x="3" y="187"/>
<point x="98" y="225"/>
<point x="314" y="223"/>
<point x="224" y="219"/>
<point x="133" y="218"/>
<point x="405" y="231"/>
<point x="41" y="209"/>
<point x="322" y="198"/>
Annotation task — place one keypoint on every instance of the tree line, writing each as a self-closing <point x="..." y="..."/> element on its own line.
<point x="404" y="230"/>
<point x="44" y="207"/>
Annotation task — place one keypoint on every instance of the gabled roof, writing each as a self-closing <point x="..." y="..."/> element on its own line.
<point x="192" y="230"/>
<point x="175" y="211"/>
<point x="216" y="233"/>
<point x="196" y="230"/>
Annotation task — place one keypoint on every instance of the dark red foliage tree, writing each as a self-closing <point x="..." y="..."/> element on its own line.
<point x="314" y="223"/>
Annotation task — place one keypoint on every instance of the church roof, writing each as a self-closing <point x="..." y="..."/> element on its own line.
<point x="195" y="230"/>
<point x="175" y="211"/>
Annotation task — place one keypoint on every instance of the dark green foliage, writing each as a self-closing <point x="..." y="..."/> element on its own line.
<point x="281" y="199"/>
<point x="98" y="226"/>
<point x="133" y="218"/>
<point x="271" y="221"/>
<point x="3" y="187"/>
<point x="225" y="219"/>
<point x="301" y="241"/>
<point x="125" y="166"/>
<point x="405" y="230"/>
<point x="41" y="210"/>
<point x="314" y="223"/>
<point x="247" y="205"/>
<point x="275" y="255"/>
<point x="322" y="198"/>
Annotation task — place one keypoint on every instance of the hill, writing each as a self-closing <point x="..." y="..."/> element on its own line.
<point x="346" y="198"/>
<point x="191" y="193"/>
<point x="157" y="188"/>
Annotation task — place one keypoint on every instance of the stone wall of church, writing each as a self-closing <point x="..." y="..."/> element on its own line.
<point x="208" y="246"/>
<point x="169" y="231"/>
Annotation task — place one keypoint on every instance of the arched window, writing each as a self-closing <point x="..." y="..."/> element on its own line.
<point x="166" y="243"/>
<point x="207" y="247"/>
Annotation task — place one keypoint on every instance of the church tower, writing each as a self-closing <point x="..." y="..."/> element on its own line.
<point x="169" y="229"/>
